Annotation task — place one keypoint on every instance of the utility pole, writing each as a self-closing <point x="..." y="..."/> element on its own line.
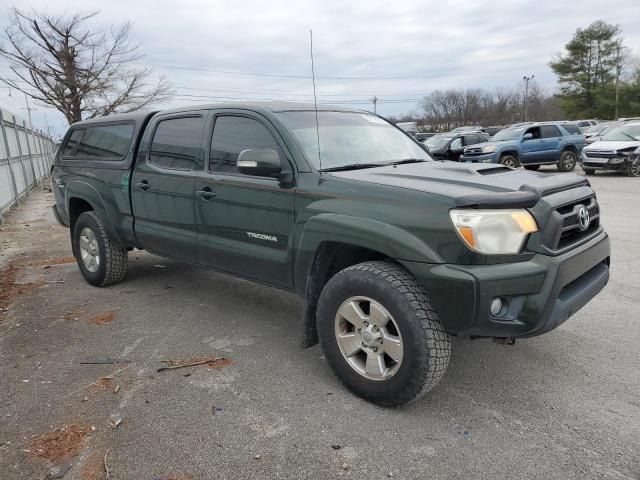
<point x="526" y="93"/>
<point x="26" y="99"/>
<point x="619" y="67"/>
<point x="374" y="100"/>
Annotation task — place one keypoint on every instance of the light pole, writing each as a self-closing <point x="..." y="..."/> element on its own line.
<point x="526" y="93"/>
<point x="374" y="100"/>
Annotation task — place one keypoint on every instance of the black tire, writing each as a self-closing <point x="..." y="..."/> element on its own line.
<point x="509" y="160"/>
<point x="589" y="171"/>
<point x="426" y="346"/>
<point x="633" y="169"/>
<point x="532" y="167"/>
<point x="567" y="162"/>
<point x="112" y="267"/>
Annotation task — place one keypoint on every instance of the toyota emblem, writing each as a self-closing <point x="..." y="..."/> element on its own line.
<point x="584" y="218"/>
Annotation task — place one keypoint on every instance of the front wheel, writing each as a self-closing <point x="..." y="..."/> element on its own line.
<point x="102" y="261"/>
<point x="633" y="169"/>
<point x="567" y="161"/>
<point x="381" y="335"/>
<point x="509" y="161"/>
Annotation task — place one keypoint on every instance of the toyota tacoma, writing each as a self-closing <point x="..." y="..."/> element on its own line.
<point x="394" y="254"/>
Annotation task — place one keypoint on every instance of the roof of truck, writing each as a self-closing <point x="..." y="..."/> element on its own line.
<point x="276" y="106"/>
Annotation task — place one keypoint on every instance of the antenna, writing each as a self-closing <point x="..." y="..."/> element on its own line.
<point x="315" y="102"/>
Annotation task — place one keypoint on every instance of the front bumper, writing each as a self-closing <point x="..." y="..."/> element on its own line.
<point x="539" y="293"/>
<point x="484" y="158"/>
<point x="614" y="163"/>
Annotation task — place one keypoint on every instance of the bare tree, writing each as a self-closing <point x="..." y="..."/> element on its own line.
<point x="84" y="73"/>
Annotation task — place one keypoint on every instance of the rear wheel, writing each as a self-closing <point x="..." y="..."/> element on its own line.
<point x="381" y="335"/>
<point x="102" y="262"/>
<point x="567" y="161"/>
<point x="509" y="160"/>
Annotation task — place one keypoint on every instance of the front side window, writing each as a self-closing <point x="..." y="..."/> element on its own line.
<point x="231" y="135"/>
<point x="176" y="143"/>
<point x="550" y="131"/>
<point x="535" y="132"/>
<point x="349" y="138"/>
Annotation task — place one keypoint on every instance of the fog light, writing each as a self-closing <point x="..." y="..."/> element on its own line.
<point x="496" y="307"/>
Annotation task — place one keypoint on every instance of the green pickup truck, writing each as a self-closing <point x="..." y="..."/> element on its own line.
<point x="394" y="254"/>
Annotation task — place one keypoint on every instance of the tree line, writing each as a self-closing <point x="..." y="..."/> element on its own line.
<point x="443" y="110"/>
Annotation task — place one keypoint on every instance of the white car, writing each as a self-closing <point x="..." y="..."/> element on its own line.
<point x="618" y="150"/>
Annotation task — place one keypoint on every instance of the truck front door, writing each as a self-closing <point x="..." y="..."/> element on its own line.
<point x="162" y="187"/>
<point x="245" y="222"/>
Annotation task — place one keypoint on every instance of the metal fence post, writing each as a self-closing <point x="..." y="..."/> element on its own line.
<point x="24" y="170"/>
<point x="6" y="147"/>
<point x="26" y="137"/>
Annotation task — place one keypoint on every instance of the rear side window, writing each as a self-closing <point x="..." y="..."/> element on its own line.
<point x="231" y="135"/>
<point x="72" y="143"/>
<point x="176" y="143"/>
<point x="100" y="142"/>
<point x="550" y="131"/>
<point x="572" y="128"/>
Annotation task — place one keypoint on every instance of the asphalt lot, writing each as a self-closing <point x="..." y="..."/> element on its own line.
<point x="565" y="405"/>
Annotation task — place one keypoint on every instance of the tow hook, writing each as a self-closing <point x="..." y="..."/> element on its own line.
<point x="505" y="340"/>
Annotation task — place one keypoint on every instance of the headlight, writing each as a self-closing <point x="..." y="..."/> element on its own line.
<point x="489" y="148"/>
<point x="627" y="152"/>
<point x="493" y="231"/>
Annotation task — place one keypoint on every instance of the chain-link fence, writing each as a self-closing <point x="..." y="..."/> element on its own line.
<point x="25" y="159"/>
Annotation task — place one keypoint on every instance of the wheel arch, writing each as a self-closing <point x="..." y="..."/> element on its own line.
<point x="82" y="197"/>
<point x="330" y="243"/>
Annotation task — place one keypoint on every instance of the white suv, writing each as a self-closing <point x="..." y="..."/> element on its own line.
<point x="619" y="149"/>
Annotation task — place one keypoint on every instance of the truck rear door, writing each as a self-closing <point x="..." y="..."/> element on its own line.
<point x="163" y="184"/>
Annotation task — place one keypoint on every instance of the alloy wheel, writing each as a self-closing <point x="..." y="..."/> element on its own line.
<point x="369" y="338"/>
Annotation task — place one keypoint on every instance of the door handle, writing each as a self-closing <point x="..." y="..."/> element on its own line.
<point x="206" y="193"/>
<point x="143" y="185"/>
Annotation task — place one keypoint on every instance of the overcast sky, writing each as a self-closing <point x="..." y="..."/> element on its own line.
<point x="396" y="50"/>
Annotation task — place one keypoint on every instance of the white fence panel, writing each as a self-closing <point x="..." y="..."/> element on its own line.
<point x="25" y="159"/>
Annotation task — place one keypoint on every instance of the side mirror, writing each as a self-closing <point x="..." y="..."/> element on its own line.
<point x="527" y="136"/>
<point x="260" y="162"/>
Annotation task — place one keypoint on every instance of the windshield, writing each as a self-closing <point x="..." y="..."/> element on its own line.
<point x="623" y="134"/>
<point x="507" y="134"/>
<point x="349" y="138"/>
<point x="437" y="141"/>
<point x="596" y="128"/>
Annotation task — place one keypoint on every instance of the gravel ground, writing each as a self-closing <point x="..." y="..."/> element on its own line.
<point x="565" y="405"/>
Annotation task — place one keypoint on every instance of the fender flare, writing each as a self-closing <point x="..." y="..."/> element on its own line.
<point x="386" y="239"/>
<point x="88" y="193"/>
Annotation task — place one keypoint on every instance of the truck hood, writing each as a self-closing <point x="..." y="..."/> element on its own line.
<point x="611" y="146"/>
<point x="478" y="185"/>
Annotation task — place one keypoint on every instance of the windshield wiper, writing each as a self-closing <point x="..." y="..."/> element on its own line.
<point x="353" y="166"/>
<point x="358" y="166"/>
<point x="407" y="160"/>
<point x="629" y="136"/>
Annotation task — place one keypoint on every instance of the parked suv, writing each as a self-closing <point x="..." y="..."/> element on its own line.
<point x="449" y="146"/>
<point x="393" y="253"/>
<point x="618" y="150"/>
<point x="531" y="145"/>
